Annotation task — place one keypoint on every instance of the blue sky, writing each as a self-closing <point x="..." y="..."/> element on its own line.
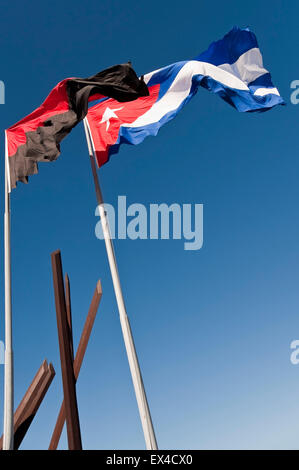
<point x="212" y="327"/>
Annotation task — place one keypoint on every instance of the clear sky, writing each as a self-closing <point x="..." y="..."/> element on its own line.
<point x="212" y="327"/>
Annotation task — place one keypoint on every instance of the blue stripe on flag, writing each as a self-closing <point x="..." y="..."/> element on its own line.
<point x="243" y="101"/>
<point x="228" y="49"/>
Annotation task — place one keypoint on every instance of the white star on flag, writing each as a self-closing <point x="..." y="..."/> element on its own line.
<point x="108" y="114"/>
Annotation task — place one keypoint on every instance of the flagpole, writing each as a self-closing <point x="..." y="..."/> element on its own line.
<point x="145" y="416"/>
<point x="8" y="428"/>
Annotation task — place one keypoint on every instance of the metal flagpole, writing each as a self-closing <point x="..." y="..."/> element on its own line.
<point x="145" y="416"/>
<point x="8" y="428"/>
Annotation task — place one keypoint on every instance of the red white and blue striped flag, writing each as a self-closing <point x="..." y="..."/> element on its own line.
<point x="231" y="67"/>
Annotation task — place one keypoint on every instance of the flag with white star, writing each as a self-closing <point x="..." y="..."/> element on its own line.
<point x="232" y="68"/>
<point x="37" y="137"/>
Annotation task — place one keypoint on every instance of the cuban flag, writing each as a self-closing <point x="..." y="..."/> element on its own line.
<point x="231" y="67"/>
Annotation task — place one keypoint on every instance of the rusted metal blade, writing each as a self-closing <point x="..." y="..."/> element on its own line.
<point x="78" y="359"/>
<point x="30" y="403"/>
<point x="67" y="370"/>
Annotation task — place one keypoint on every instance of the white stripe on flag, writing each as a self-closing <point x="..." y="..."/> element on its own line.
<point x="180" y="89"/>
<point x="248" y="67"/>
<point x="266" y="91"/>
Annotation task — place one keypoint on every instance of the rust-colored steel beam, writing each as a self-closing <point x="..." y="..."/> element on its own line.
<point x="69" y="311"/>
<point x="78" y="359"/>
<point x="30" y="403"/>
<point x="67" y="370"/>
<point x="33" y="407"/>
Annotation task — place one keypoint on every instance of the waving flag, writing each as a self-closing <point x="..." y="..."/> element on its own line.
<point x="37" y="137"/>
<point x="231" y="67"/>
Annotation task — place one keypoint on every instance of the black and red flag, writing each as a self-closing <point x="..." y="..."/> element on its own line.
<point x="37" y="137"/>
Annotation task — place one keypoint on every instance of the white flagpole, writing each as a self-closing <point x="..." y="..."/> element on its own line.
<point x="8" y="428"/>
<point x="145" y="416"/>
